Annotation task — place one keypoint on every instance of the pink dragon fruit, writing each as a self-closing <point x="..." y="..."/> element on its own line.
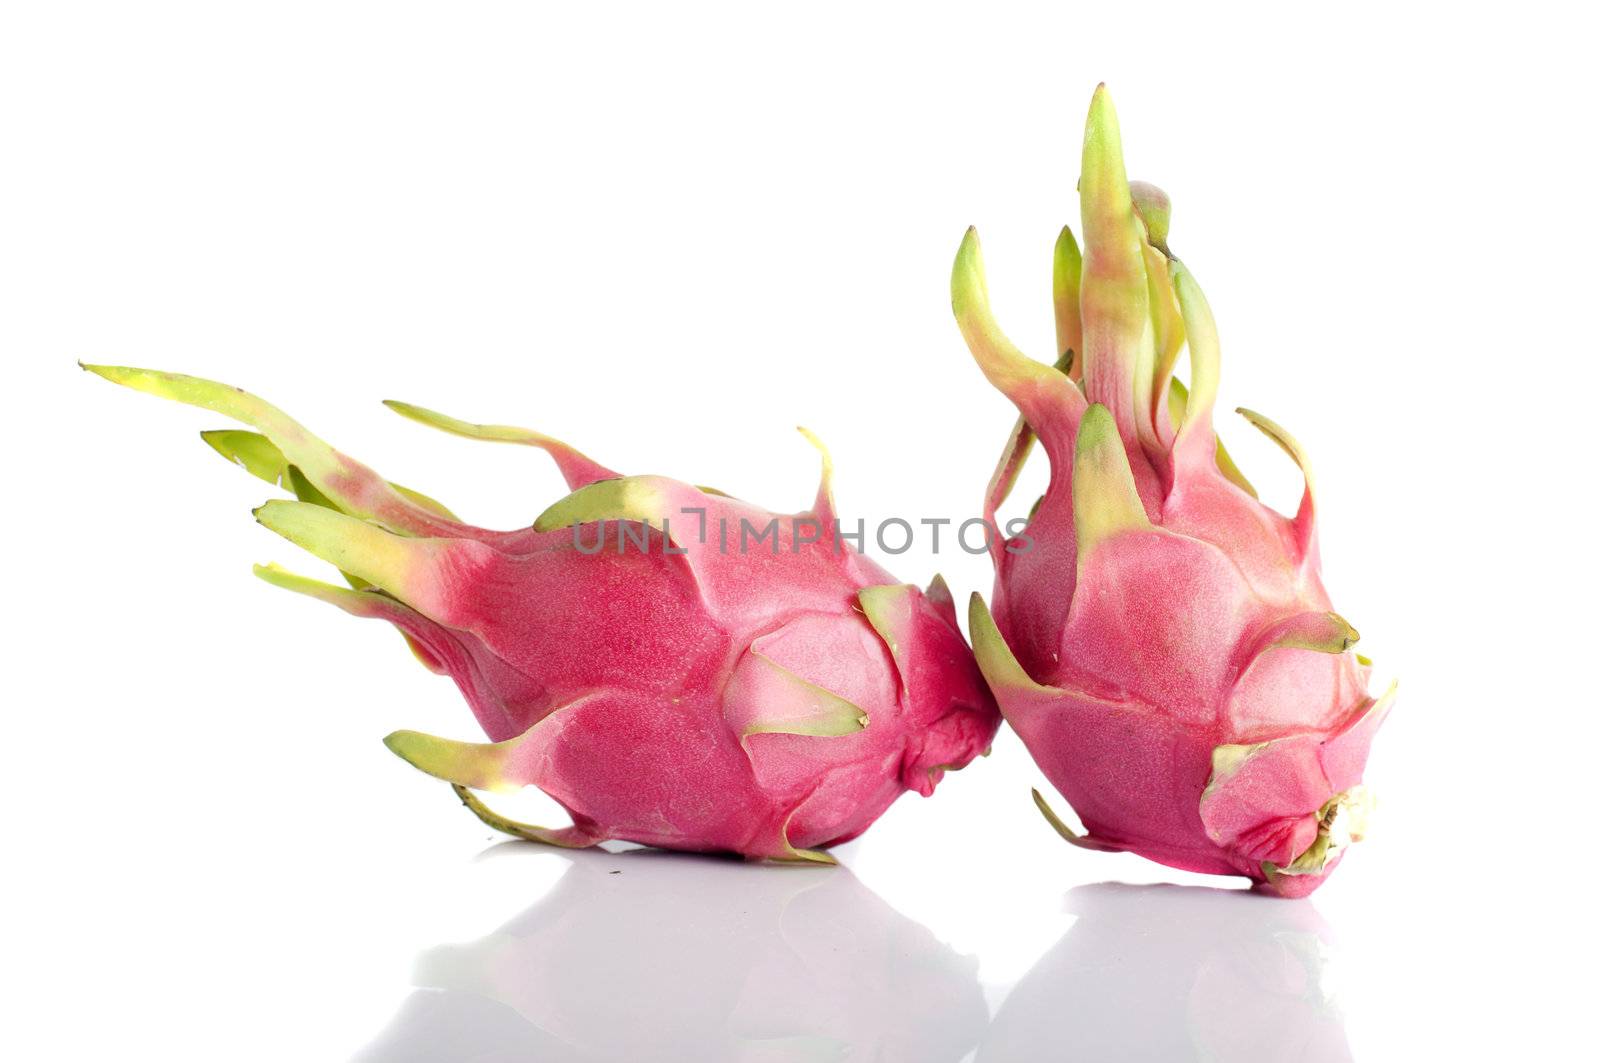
<point x="713" y="677"/>
<point x="1160" y="639"/>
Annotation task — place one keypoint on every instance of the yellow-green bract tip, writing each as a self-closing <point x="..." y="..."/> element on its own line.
<point x="117" y="374"/>
<point x="1105" y="500"/>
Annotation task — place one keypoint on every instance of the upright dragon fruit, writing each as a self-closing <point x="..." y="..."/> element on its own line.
<point x="1160" y="639"/>
<point x="707" y="676"/>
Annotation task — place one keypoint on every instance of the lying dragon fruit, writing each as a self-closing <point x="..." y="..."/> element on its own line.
<point x="675" y="667"/>
<point x="1163" y="643"/>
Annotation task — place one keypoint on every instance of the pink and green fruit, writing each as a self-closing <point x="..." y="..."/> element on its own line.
<point x="770" y="701"/>
<point x="1165" y="648"/>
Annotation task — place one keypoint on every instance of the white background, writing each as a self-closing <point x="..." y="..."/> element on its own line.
<point x="668" y="237"/>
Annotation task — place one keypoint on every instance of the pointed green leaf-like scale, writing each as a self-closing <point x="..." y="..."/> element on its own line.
<point x="355" y="602"/>
<point x="672" y="508"/>
<point x="577" y="468"/>
<point x="1105" y="501"/>
<point x="488" y="766"/>
<point x="251" y="451"/>
<point x="1154" y="208"/>
<point x="1167" y="319"/>
<point x="791" y="855"/>
<point x="1047" y="399"/>
<point x="1066" y="284"/>
<point x="574" y="837"/>
<point x="353" y="487"/>
<point x="255" y="453"/>
<point x="999" y="665"/>
<point x="675" y="510"/>
<point x="1082" y="841"/>
<point x="941" y="599"/>
<point x="807" y="857"/>
<point x="646" y="499"/>
<point x="1305" y="518"/>
<point x="822" y="507"/>
<point x="362" y="603"/>
<point x="1157" y="359"/>
<point x="890" y="611"/>
<point x="763" y="697"/>
<point x="1117" y="336"/>
<point x="1196" y="440"/>
<point x="1323" y="632"/>
<point x="420" y="572"/>
<point x="306" y="491"/>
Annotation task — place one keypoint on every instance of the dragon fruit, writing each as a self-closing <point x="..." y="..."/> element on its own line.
<point x="1160" y="639"/>
<point x="712" y="677"/>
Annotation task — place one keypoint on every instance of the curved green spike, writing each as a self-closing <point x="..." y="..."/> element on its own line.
<point x="796" y="706"/>
<point x="1323" y="632"/>
<point x="822" y="508"/>
<point x="888" y="608"/>
<point x="1205" y="355"/>
<point x="355" y="602"/>
<point x="1041" y="394"/>
<point x="251" y="451"/>
<point x="807" y="857"/>
<point x="1105" y="501"/>
<point x="800" y="856"/>
<point x="362" y="603"/>
<point x="1167" y="320"/>
<point x="479" y="765"/>
<point x="256" y="454"/>
<point x="995" y="659"/>
<point x="405" y="567"/>
<point x="1286" y="442"/>
<point x="1107" y="200"/>
<point x="1305" y="519"/>
<point x="485" y="766"/>
<point x="1118" y="338"/>
<point x="573" y="837"/>
<point x="577" y="468"/>
<point x="1159" y="357"/>
<point x="1066" y="281"/>
<point x="1082" y="841"/>
<point x="355" y="488"/>
<point x="942" y="600"/>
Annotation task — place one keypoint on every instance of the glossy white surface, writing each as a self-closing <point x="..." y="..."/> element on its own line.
<point x="669" y="236"/>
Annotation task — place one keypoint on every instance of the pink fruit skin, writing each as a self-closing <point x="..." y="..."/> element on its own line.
<point x="765" y="700"/>
<point x="648" y="661"/>
<point x="1160" y="640"/>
